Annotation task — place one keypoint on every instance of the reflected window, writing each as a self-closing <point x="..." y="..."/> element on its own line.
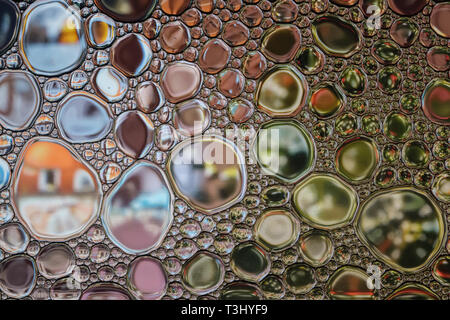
<point x="49" y="180"/>
<point x="82" y="182"/>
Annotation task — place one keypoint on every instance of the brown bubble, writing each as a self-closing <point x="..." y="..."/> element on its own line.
<point x="151" y="28"/>
<point x="285" y="11"/>
<point x="435" y="101"/>
<point x="345" y="2"/>
<point x="127" y="10"/>
<point x="235" y="33"/>
<point x="439" y="20"/>
<point x="131" y="54"/>
<point x="251" y="16"/>
<point x="191" y="117"/>
<point x="100" y="30"/>
<point x="105" y="291"/>
<point x="212" y="25"/>
<point x="254" y="65"/>
<point x="17" y="276"/>
<point x="191" y="17"/>
<point x="404" y="31"/>
<point x="174" y="7"/>
<point x="214" y="56"/>
<point x="134" y="133"/>
<point x="231" y="83"/>
<point x="174" y="37"/>
<point x="439" y="58"/>
<point x="205" y="6"/>
<point x="181" y="81"/>
<point x="281" y="43"/>
<point x="149" y="97"/>
<point x="407" y="7"/>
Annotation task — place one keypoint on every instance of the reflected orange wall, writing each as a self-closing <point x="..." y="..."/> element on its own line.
<point x="47" y="155"/>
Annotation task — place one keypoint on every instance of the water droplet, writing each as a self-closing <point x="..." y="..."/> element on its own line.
<point x="21" y="99"/>
<point x="137" y="212"/>
<point x="100" y="30"/>
<point x="181" y="81"/>
<point x="349" y="283"/>
<point x="147" y="279"/>
<point x="402" y="227"/>
<point x="327" y="100"/>
<point x="17" y="276"/>
<point x="109" y="84"/>
<point x="250" y="262"/>
<point x="56" y="195"/>
<point x="127" y="10"/>
<point x="55" y="260"/>
<point x="131" y="54"/>
<point x="10" y="17"/>
<point x="435" y="101"/>
<point x="281" y="43"/>
<point x="191" y="117"/>
<point x="203" y="273"/>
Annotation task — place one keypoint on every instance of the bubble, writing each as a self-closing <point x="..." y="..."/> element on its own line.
<point x="231" y="83"/>
<point x="240" y="110"/>
<point x="5" y="173"/>
<point x="281" y="43"/>
<point x="349" y="283"/>
<point x="214" y="56"/>
<point x="131" y="54"/>
<point x="385" y="226"/>
<point x="17" y="276"/>
<point x="165" y="137"/>
<point x="276" y="229"/>
<point x="147" y="279"/>
<point x="6" y="213"/>
<point x="82" y="117"/>
<point x="325" y="201"/>
<point x="65" y="289"/>
<point x="439" y="58"/>
<point x="203" y="273"/>
<point x="240" y="291"/>
<point x="127" y="10"/>
<point x="21" y="99"/>
<point x="137" y="212"/>
<point x="282" y="92"/>
<point x="149" y="97"/>
<point x="100" y="30"/>
<point x="272" y="287"/>
<point x="275" y="196"/>
<point x="285" y="11"/>
<point x="299" y="278"/>
<point x="310" y="60"/>
<point x="413" y="291"/>
<point x="110" y="84"/>
<point x="397" y="127"/>
<point x="10" y="16"/>
<point x="254" y="65"/>
<point x="316" y="247"/>
<point x="336" y="36"/>
<point x="251" y="15"/>
<point x="354" y="81"/>
<point x="55" y="194"/>
<point x="357" y="159"/>
<point x="174" y="37"/>
<point x="134" y="132"/>
<point x="441" y="270"/>
<point x="435" y="101"/>
<point x="181" y="81"/>
<point x="407" y="7"/>
<point x="208" y="172"/>
<point x="174" y="7"/>
<point x="55" y="90"/>
<point x="439" y="19"/>
<point x="250" y="262"/>
<point x="386" y="51"/>
<point x="191" y="117"/>
<point x="13" y="238"/>
<point x="404" y="31"/>
<point x="55" y="260"/>
<point x="235" y="33"/>
<point x="327" y="100"/>
<point x="283" y="148"/>
<point x="415" y="154"/>
<point x="441" y="187"/>
<point x="105" y="291"/>
<point x="52" y="38"/>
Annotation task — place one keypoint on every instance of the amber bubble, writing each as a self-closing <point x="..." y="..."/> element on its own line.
<point x="254" y="65"/>
<point x="174" y="7"/>
<point x="404" y="31"/>
<point x="439" y="20"/>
